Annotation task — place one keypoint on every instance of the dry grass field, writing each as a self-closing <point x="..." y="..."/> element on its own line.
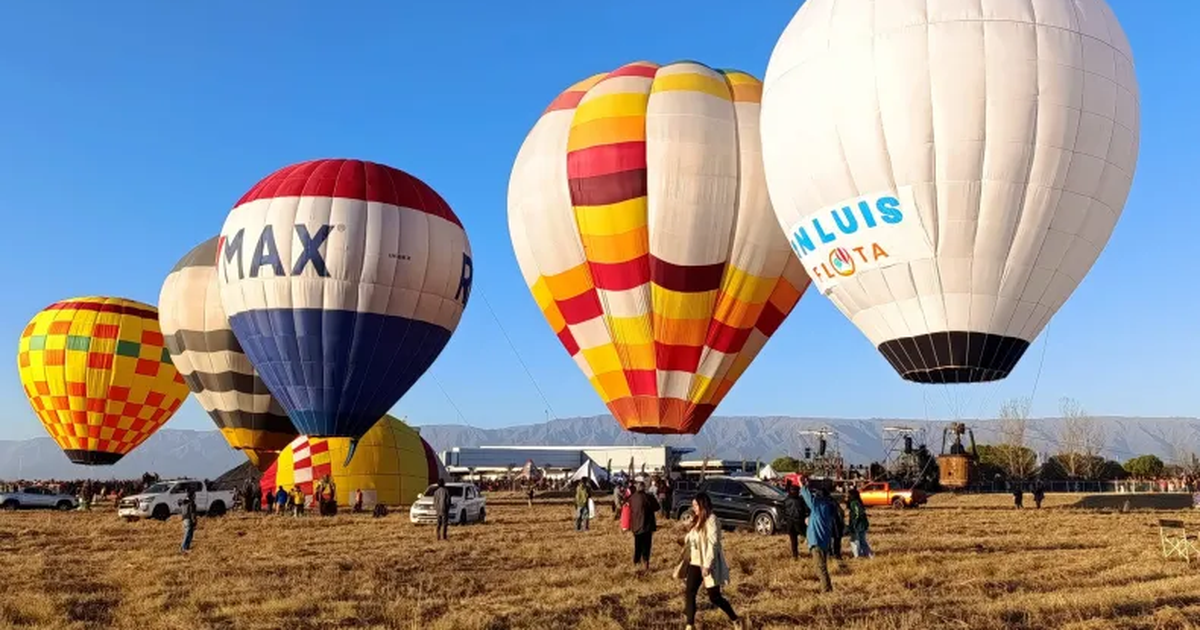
<point x="961" y="562"/>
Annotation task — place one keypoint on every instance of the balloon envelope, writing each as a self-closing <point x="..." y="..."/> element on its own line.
<point x="640" y="220"/>
<point x="343" y="280"/>
<point x="212" y="362"/>
<point x="98" y="376"/>
<point x="948" y="172"/>
<point x="391" y="465"/>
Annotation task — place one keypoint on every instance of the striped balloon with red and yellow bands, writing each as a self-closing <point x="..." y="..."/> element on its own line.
<point x="641" y="223"/>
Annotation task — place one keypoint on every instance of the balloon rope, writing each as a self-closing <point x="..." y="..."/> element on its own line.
<point x="1038" y="378"/>
<point x="518" y="354"/>
<point x="449" y="399"/>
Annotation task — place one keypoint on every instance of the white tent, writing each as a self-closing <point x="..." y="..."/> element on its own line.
<point x="766" y="472"/>
<point x="531" y="472"/>
<point x="590" y="470"/>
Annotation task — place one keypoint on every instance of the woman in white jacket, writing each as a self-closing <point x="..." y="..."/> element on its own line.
<point x="706" y="563"/>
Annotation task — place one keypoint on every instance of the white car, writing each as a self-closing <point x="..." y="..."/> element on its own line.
<point x="467" y="505"/>
<point x="33" y="497"/>
<point x="162" y="499"/>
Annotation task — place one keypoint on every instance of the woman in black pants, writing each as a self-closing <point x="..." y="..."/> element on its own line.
<point x="706" y="562"/>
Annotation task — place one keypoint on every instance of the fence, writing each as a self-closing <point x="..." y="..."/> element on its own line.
<point x="1091" y="487"/>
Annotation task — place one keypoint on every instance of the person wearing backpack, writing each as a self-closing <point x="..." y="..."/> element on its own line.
<point x="858" y="525"/>
<point x="794" y="513"/>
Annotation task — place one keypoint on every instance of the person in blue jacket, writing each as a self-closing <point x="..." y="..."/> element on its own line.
<point x="281" y="500"/>
<point x="822" y="527"/>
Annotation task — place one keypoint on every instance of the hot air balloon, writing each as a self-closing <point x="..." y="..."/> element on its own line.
<point x="949" y="172"/>
<point x="641" y="224"/>
<point x="343" y="280"/>
<point x="98" y="376"/>
<point x="212" y="362"/>
<point x="393" y="463"/>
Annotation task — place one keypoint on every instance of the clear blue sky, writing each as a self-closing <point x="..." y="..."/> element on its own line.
<point x="128" y="129"/>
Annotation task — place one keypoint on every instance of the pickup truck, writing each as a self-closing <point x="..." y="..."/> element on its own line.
<point x="883" y="494"/>
<point x="162" y="499"/>
<point x="33" y="497"/>
<point x="741" y="502"/>
<point x="467" y="505"/>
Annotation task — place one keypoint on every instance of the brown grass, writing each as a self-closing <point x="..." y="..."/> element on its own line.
<point x="961" y="562"/>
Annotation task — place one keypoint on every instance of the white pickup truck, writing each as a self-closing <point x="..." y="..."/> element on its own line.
<point x="162" y="499"/>
<point x="467" y="505"/>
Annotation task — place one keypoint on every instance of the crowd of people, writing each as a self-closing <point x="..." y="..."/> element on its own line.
<point x="283" y="501"/>
<point x="809" y="514"/>
<point x="87" y="491"/>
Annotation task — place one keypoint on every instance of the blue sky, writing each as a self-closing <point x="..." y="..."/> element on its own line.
<point x="127" y="130"/>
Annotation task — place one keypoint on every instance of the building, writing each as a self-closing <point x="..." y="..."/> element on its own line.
<point x="493" y="461"/>
<point x="700" y="468"/>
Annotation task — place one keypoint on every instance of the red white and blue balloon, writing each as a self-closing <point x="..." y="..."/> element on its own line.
<point x="343" y="281"/>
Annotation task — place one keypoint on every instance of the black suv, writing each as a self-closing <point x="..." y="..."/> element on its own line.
<point x="738" y="501"/>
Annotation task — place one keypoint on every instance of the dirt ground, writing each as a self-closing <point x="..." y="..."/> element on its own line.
<point x="960" y="562"/>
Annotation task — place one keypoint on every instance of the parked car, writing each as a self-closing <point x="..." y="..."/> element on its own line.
<point x="740" y="502"/>
<point x="162" y="499"/>
<point x="467" y="505"/>
<point x="883" y="494"/>
<point x="35" y="497"/>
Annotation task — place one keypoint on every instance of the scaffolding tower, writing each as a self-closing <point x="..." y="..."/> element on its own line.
<point x="822" y="453"/>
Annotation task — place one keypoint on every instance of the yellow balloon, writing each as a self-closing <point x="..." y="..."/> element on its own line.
<point x="98" y="376"/>
<point x="391" y="465"/>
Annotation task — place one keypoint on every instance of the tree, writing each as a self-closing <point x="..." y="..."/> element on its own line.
<point x="1145" y="467"/>
<point x="785" y="464"/>
<point x="1109" y="470"/>
<point x="1100" y="469"/>
<point x="1183" y="458"/>
<point x="1080" y="440"/>
<point x="1004" y="459"/>
<point x="1014" y="456"/>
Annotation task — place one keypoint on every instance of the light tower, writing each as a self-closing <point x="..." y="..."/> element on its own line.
<point x="822" y="453"/>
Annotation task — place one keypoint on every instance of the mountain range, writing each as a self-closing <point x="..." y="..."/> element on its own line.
<point x="176" y="452"/>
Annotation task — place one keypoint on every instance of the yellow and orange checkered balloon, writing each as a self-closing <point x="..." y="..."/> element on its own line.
<point x="98" y="376"/>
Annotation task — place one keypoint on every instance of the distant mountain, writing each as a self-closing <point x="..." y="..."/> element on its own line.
<point x="860" y="441"/>
<point x="169" y="452"/>
<point x="205" y="453"/>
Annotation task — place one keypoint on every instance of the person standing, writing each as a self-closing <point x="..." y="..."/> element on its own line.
<point x="441" y="504"/>
<point x="1039" y="495"/>
<point x="706" y="562"/>
<point x="858" y="525"/>
<point x="616" y="501"/>
<point x="625" y="494"/>
<point x="821" y="526"/>
<point x="794" y="513"/>
<point x="188" y="511"/>
<point x="664" y="497"/>
<point x="297" y="501"/>
<point x="1018" y="496"/>
<point x="839" y="525"/>
<point x="358" y="500"/>
<point x="642" y="507"/>
<point x="583" y="494"/>
<point x="281" y="501"/>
